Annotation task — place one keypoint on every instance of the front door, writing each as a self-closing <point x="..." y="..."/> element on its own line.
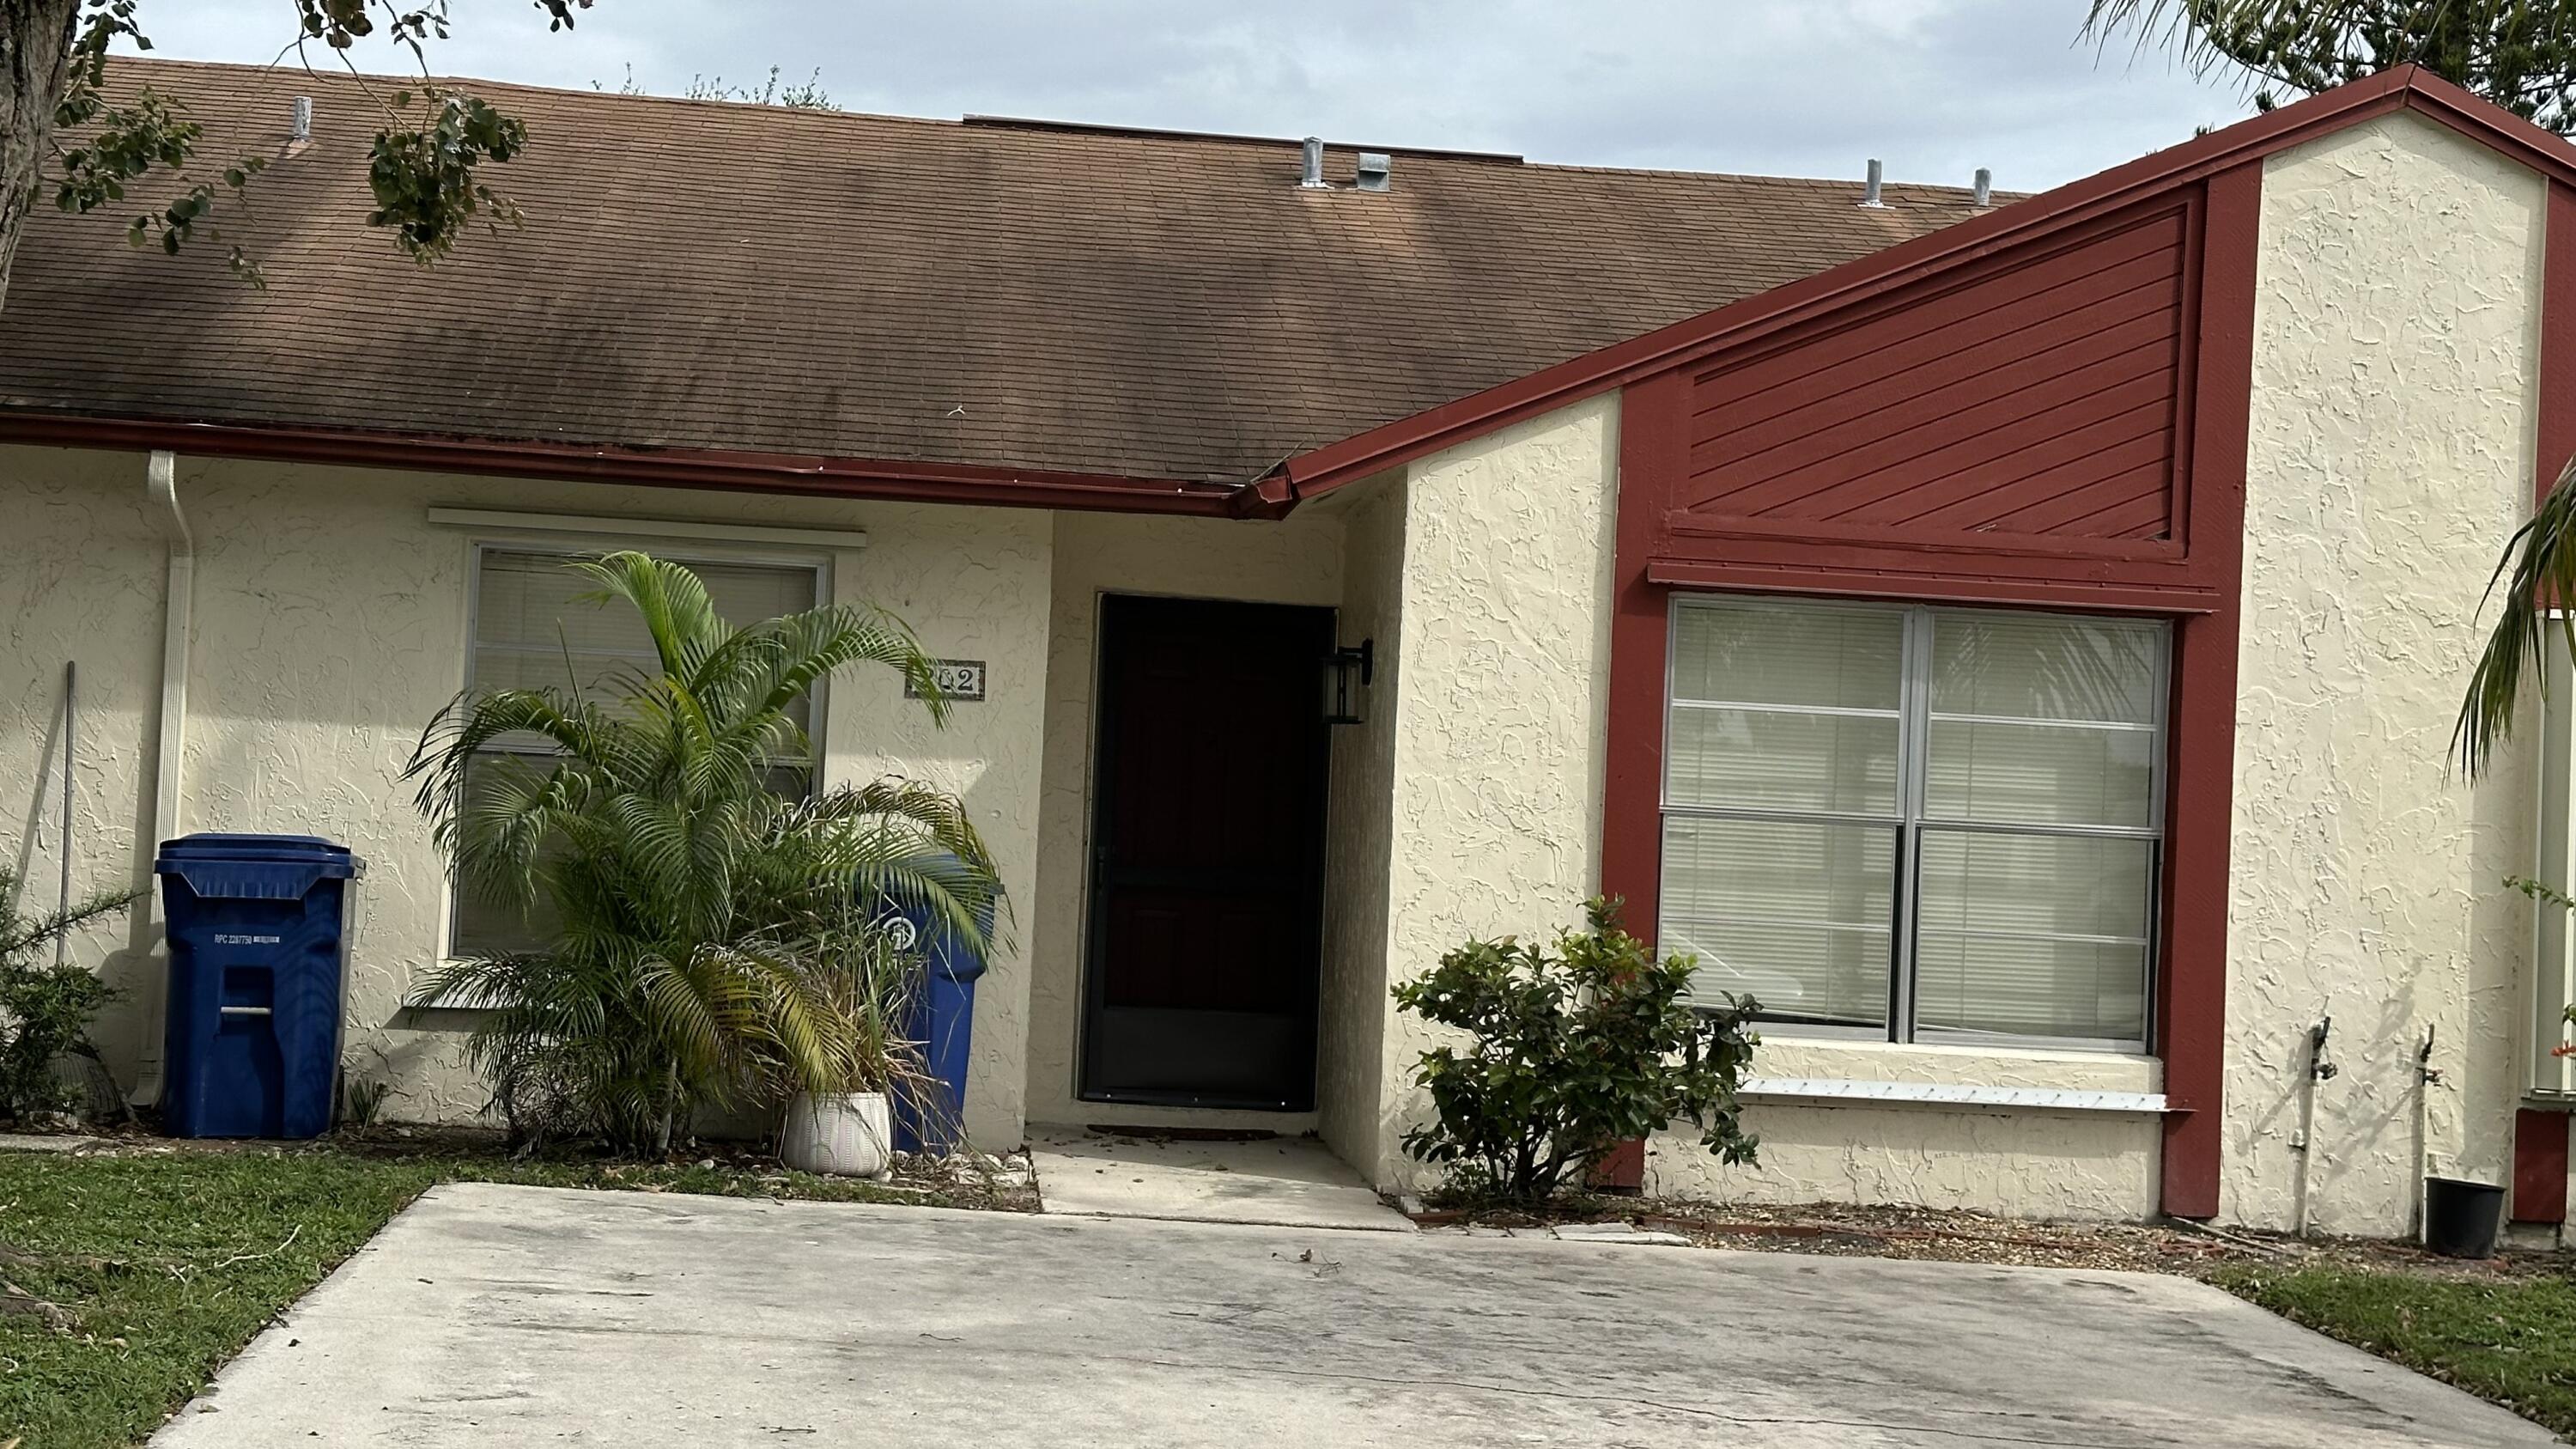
<point x="1207" y="838"/>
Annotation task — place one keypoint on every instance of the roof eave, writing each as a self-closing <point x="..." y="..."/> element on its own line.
<point x="727" y="470"/>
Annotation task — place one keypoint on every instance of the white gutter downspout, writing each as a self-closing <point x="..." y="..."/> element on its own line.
<point x="179" y="585"/>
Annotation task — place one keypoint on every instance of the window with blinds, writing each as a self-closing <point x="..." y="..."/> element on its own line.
<point x="533" y="629"/>
<point x="1916" y="824"/>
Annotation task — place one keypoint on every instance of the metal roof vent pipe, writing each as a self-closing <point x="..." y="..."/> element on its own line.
<point x="1869" y="191"/>
<point x="1377" y="171"/>
<point x="301" y="129"/>
<point x="1313" y="179"/>
<point x="1985" y="187"/>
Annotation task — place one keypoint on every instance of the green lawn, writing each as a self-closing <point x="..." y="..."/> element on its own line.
<point x="130" y="1279"/>
<point x="2509" y="1339"/>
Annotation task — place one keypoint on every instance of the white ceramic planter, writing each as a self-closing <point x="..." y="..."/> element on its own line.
<point x="845" y="1136"/>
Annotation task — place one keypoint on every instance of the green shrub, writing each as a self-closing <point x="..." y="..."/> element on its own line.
<point x="45" y="1009"/>
<point x="1569" y="1054"/>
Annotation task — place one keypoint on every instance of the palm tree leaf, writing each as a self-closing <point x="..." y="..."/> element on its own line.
<point x="2537" y="579"/>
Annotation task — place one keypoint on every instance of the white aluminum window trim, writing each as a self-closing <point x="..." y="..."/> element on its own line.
<point x="1843" y="711"/>
<point x="710" y="549"/>
<point x="2009" y="934"/>
<point x="504" y="522"/>
<point x="1799" y="923"/>
<point x="1914" y="820"/>
<point x="1952" y="1094"/>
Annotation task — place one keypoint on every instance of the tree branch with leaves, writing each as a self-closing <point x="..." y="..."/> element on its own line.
<point x="424" y="165"/>
<point x="2520" y="54"/>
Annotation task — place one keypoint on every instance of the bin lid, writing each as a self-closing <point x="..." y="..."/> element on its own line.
<point x="259" y="867"/>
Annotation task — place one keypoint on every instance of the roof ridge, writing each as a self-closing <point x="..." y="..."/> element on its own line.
<point x="594" y="92"/>
<point x="981" y="121"/>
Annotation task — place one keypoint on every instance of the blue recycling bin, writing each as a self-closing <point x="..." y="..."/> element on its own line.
<point x="943" y="1020"/>
<point x="255" y="930"/>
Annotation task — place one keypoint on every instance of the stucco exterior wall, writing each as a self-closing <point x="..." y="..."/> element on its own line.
<point x="1350" y="1066"/>
<point x="2065" y="1165"/>
<point x="1295" y="561"/>
<point x="330" y="623"/>
<point x="82" y="584"/>
<point x="2391" y="455"/>
<point x="1501" y="706"/>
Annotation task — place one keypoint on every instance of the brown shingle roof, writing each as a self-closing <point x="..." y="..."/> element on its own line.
<point x="706" y="275"/>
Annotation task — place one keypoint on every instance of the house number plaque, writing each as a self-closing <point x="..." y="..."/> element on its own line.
<point x="961" y="680"/>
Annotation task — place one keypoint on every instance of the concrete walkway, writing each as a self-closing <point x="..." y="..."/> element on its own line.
<point x="529" y="1316"/>
<point x="1276" y="1181"/>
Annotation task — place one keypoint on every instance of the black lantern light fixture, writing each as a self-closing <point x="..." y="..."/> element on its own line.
<point x="1347" y="673"/>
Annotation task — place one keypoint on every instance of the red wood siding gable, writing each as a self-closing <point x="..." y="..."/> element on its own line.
<point x="2023" y="420"/>
<point x="2036" y="398"/>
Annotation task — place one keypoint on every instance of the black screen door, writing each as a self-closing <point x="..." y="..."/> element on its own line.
<point x="1207" y="855"/>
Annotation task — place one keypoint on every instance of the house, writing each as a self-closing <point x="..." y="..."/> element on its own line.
<point x="2018" y="643"/>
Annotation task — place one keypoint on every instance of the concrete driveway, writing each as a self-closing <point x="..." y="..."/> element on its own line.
<point x="505" y="1315"/>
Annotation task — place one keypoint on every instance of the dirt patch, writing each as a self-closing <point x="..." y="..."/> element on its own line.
<point x="1837" y="1230"/>
<point x="965" y="1180"/>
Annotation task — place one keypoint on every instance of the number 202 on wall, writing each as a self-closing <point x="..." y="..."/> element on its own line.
<point x="960" y="681"/>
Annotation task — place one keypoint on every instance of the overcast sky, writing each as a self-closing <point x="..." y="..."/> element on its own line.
<point x="1794" y="87"/>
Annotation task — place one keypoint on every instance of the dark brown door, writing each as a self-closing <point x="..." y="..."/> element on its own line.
<point x="1207" y="840"/>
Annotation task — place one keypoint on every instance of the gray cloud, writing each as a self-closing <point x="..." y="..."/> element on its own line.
<point x="1799" y="87"/>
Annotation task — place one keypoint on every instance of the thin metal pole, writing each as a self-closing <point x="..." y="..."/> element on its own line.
<point x="63" y="895"/>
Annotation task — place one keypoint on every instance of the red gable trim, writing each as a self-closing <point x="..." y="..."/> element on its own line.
<point x="665" y="467"/>
<point x="1687" y="342"/>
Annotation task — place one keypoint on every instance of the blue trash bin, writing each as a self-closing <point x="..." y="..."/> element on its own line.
<point x="255" y="931"/>
<point x="943" y="1020"/>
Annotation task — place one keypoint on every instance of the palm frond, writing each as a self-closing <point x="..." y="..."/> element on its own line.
<point x="2537" y="575"/>
<point x="671" y="600"/>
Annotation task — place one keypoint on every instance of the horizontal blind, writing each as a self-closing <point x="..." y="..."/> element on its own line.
<point x="2038" y="725"/>
<point x="1807" y="744"/>
<point x="1792" y="712"/>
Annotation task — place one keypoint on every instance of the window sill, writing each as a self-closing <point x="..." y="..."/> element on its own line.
<point x="1825" y="1072"/>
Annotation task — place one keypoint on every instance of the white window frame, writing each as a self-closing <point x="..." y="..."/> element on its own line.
<point x="1912" y="821"/>
<point x="482" y="545"/>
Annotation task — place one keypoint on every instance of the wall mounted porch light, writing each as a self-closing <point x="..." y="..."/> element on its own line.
<point x="1347" y="673"/>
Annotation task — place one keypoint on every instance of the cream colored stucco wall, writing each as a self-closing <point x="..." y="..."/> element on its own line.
<point x="2390" y="456"/>
<point x="82" y="583"/>
<point x="1350" y="1066"/>
<point x="2021" y="1162"/>
<point x="331" y="623"/>
<point x="1295" y="561"/>
<point x="1501" y="706"/>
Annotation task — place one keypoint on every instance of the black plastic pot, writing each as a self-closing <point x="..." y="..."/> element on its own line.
<point x="2462" y="1219"/>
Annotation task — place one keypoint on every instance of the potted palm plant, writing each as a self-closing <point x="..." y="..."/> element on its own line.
<point x="840" y="1120"/>
<point x="682" y="966"/>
